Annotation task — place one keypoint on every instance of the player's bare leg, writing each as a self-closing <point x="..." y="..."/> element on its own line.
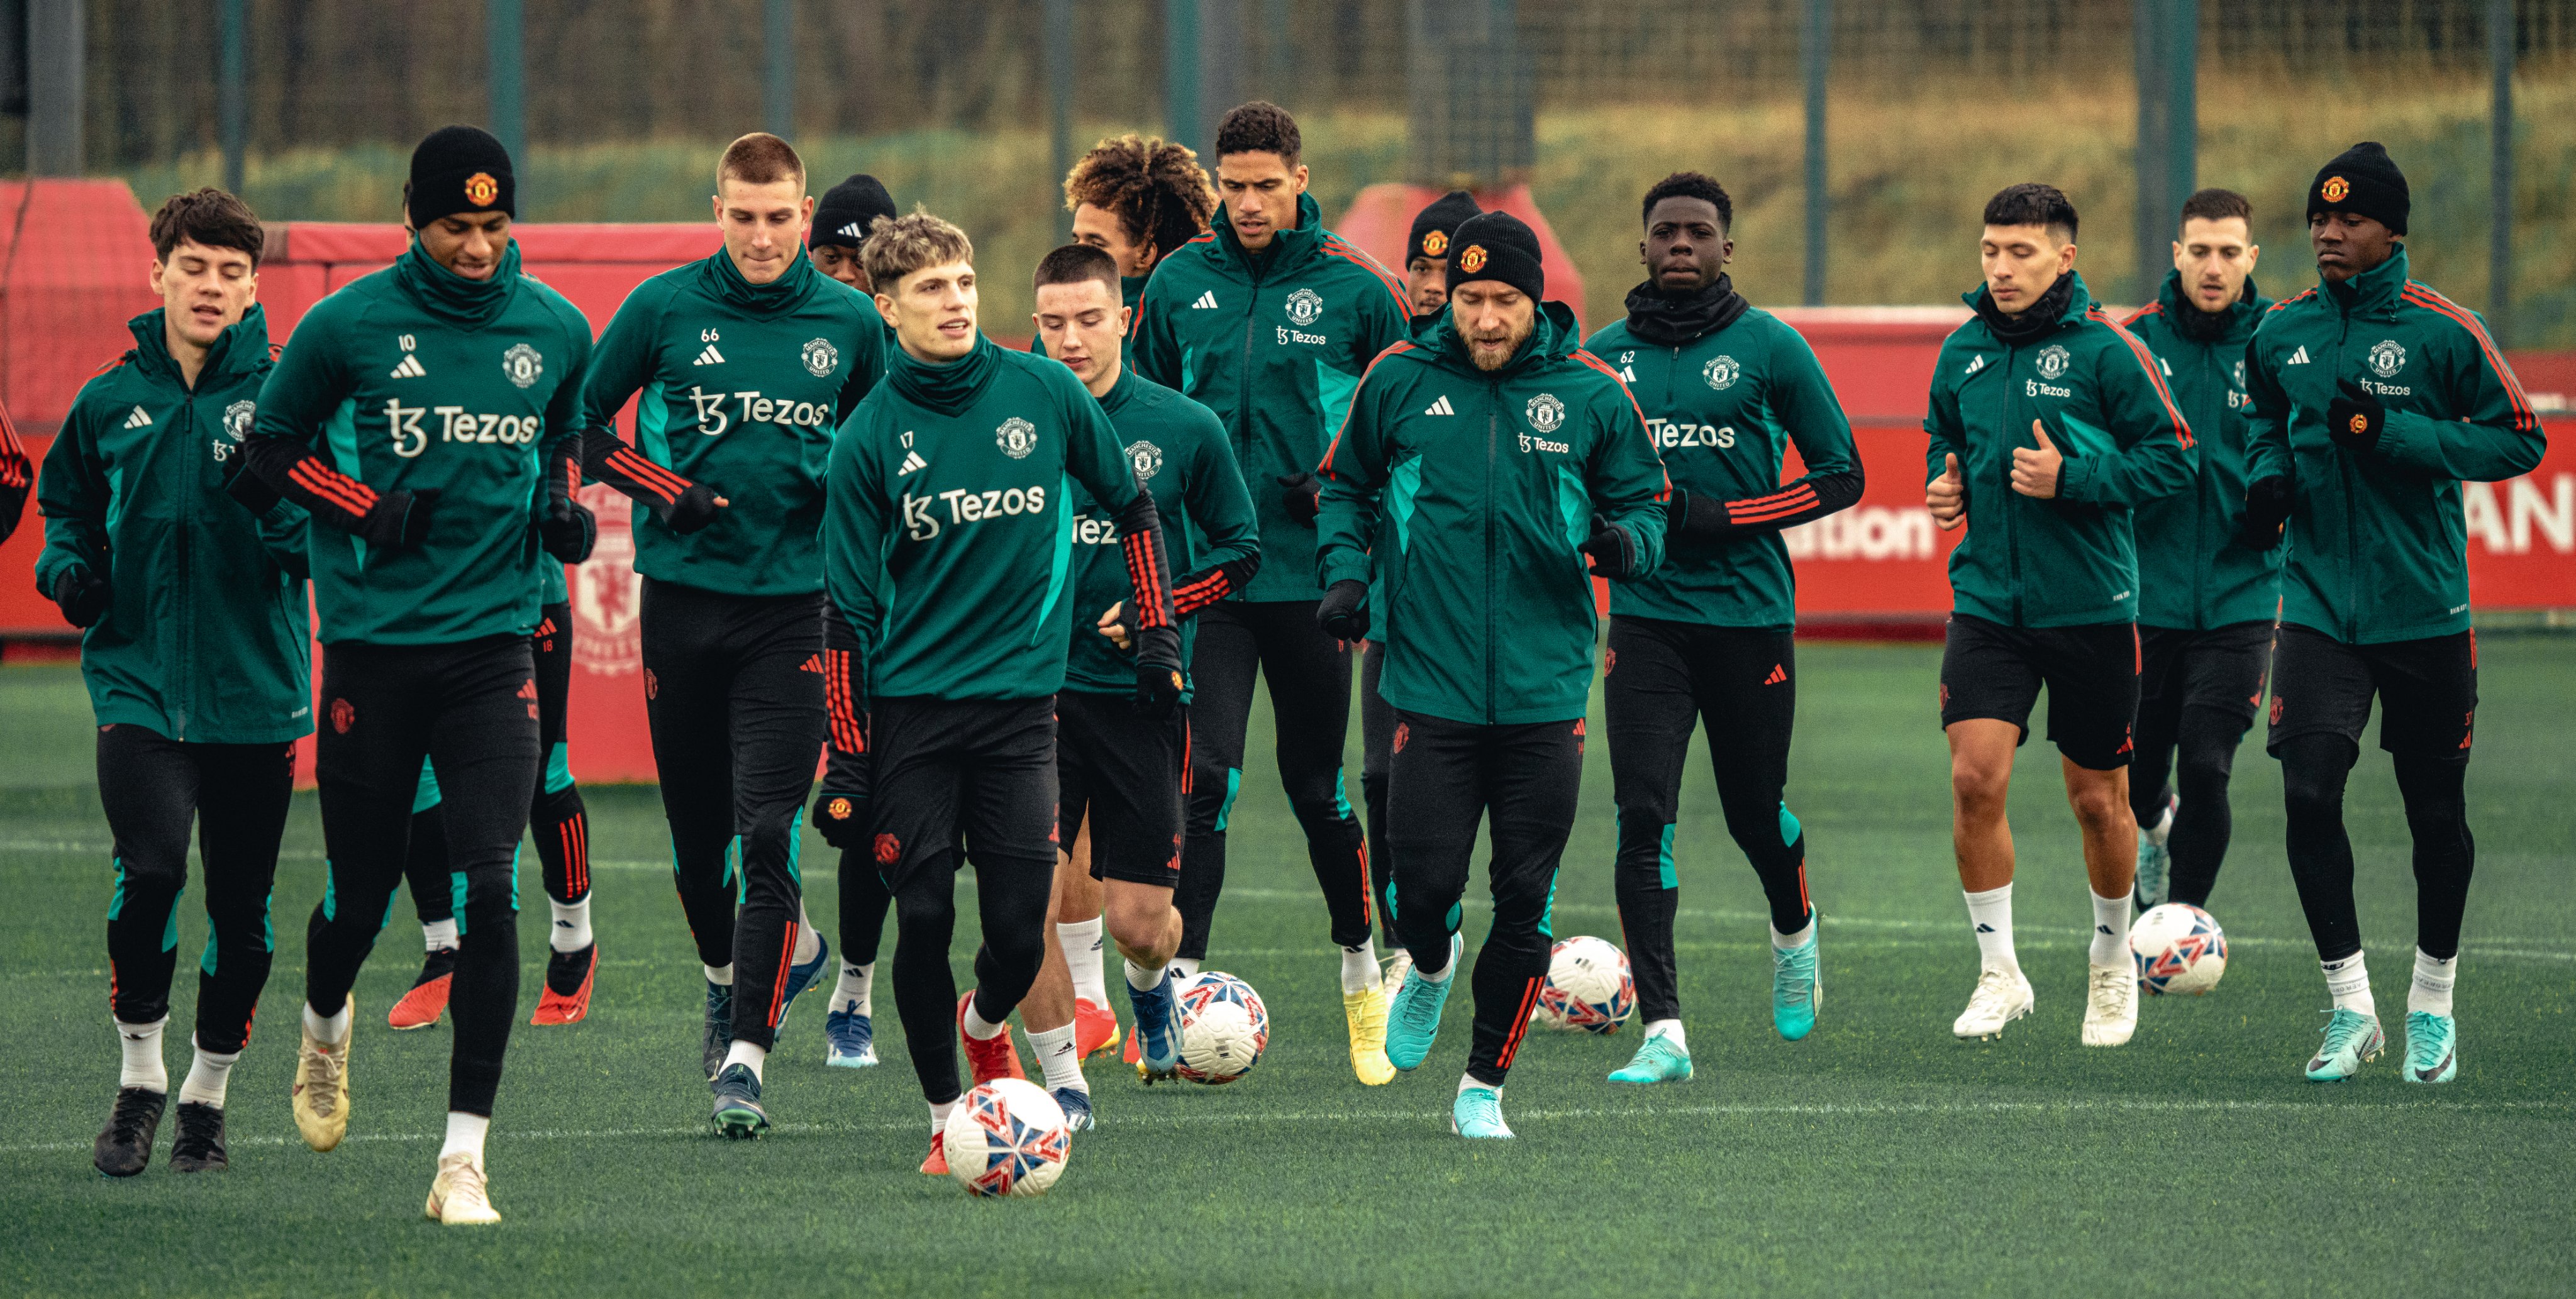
<point x="1981" y="759"/>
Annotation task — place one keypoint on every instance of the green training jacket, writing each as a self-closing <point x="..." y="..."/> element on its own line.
<point x="1274" y="343"/>
<point x="1471" y="491"/>
<point x="205" y="637"/>
<point x="414" y="377"/>
<point x="948" y="529"/>
<point x="2068" y="561"/>
<point x="1179" y="452"/>
<point x="1723" y="409"/>
<point x="743" y="386"/>
<point x="2191" y="572"/>
<point x="2378" y="548"/>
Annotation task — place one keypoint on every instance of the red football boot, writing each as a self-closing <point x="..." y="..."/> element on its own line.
<point x="567" y="1008"/>
<point x="991" y="1058"/>
<point x="1095" y="1028"/>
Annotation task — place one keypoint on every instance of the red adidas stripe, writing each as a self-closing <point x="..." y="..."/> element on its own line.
<point x="338" y="489"/>
<point x="1520" y="1026"/>
<point x="652" y="477"/>
<point x="2423" y="296"/>
<point x="2155" y="378"/>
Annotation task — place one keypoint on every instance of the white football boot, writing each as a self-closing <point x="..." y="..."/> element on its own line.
<point x="2002" y="996"/>
<point x="2110" y="1004"/>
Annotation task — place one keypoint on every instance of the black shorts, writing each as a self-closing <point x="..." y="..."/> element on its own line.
<point x="1989" y="670"/>
<point x="2221" y="668"/>
<point x="972" y="773"/>
<point x="2427" y="689"/>
<point x="1129" y="774"/>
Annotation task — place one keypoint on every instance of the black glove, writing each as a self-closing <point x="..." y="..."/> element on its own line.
<point x="1343" y="614"/>
<point x="569" y="531"/>
<point x="1158" y="671"/>
<point x="2354" y="417"/>
<point x="399" y="519"/>
<point x="695" y="509"/>
<point x="2267" y="508"/>
<point x="248" y="488"/>
<point x="82" y="595"/>
<point x="841" y="815"/>
<point x="1701" y="517"/>
<point x="1302" y="497"/>
<point x="1613" y="551"/>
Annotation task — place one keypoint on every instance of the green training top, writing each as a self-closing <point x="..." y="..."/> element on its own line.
<point x="2191" y="572"/>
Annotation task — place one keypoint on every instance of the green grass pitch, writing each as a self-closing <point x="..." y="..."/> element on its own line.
<point x="1879" y="1156"/>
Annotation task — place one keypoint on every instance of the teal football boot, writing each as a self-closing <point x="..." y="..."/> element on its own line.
<point x="1797" y="984"/>
<point x="1415" y="1020"/>
<point x="1478" y="1114"/>
<point x="2351" y="1039"/>
<point x="2432" y="1047"/>
<point x="1659" y="1059"/>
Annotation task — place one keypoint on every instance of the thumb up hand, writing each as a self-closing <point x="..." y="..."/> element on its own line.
<point x="1946" y="496"/>
<point x="2035" y="473"/>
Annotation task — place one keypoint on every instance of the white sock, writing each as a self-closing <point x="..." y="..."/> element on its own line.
<point x="439" y="935"/>
<point x="207" y="1078"/>
<point x="465" y="1134"/>
<point x="719" y="975"/>
<point x="1140" y="978"/>
<point x="139" y="1047"/>
<point x="1791" y="942"/>
<point x="2433" y="979"/>
<point x="980" y="1028"/>
<point x="2110" y="930"/>
<point x="2349" y="984"/>
<point x="1671" y="1028"/>
<point x="329" y="1030"/>
<point x="745" y="1053"/>
<point x="1359" y="967"/>
<point x="572" y="925"/>
<point x="1990" y="914"/>
<point x="1055" y="1052"/>
<point x="809" y="940"/>
<point x="1469" y="1082"/>
<point x="1082" y="945"/>
<point x="939" y="1115"/>
<point x="1187" y="966"/>
<point x="852" y="992"/>
<point x="2163" y="828"/>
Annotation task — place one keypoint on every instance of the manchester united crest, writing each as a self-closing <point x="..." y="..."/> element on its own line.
<point x="1721" y="372"/>
<point x="2052" y="362"/>
<point x="523" y="365"/>
<point x="1545" y="412"/>
<point x="2387" y="357"/>
<point x="1303" y="306"/>
<point x="1147" y="460"/>
<point x="1017" y="438"/>
<point x="237" y="418"/>
<point x="821" y="358"/>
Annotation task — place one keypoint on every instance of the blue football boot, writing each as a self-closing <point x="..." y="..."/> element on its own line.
<point x="853" y="1040"/>
<point x="1158" y="1029"/>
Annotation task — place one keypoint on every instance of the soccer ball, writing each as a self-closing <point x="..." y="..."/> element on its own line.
<point x="1588" y="987"/>
<point x="1006" y="1137"/>
<point x="2179" y="949"/>
<point x="1224" y="1028"/>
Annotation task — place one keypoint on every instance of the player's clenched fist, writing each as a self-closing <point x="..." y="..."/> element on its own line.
<point x="1946" y="496"/>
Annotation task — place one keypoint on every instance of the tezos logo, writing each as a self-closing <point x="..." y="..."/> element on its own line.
<point x="2334" y="190"/>
<point x="1545" y="412"/>
<point x="523" y="365"/>
<point x="237" y="418"/>
<point x="1017" y="438"/>
<point x="1303" y="306"/>
<point x="1721" y="372"/>
<point x="1147" y="459"/>
<point x="2387" y="358"/>
<point x="2052" y="362"/>
<point x="821" y="358"/>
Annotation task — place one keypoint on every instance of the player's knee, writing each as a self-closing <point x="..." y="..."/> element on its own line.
<point x="2098" y="804"/>
<point x="1977" y="787"/>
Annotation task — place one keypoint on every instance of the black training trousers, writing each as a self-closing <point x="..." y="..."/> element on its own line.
<point x="1664" y="678"/>
<point x="1446" y="776"/>
<point x="152" y="787"/>
<point x="556" y="818"/>
<point x="980" y="772"/>
<point x="1310" y="698"/>
<point x="2198" y="691"/>
<point x="733" y="689"/>
<point x="1377" y="740"/>
<point x="471" y="709"/>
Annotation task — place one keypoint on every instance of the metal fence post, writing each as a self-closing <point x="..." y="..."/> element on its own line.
<point x="2500" y="52"/>
<point x="1181" y="76"/>
<point x="778" y="71"/>
<point x="505" y="32"/>
<point x="1059" y="77"/>
<point x="232" y="98"/>
<point x="55" y="49"/>
<point x="1814" y="46"/>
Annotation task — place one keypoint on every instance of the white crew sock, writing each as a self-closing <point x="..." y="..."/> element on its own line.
<point x="851" y="994"/>
<point x="1791" y="942"/>
<point x="744" y="1053"/>
<point x="207" y="1077"/>
<point x="1990" y="914"/>
<point x="2349" y="984"/>
<point x="719" y="975"/>
<point x="1141" y="978"/>
<point x="139" y="1049"/>
<point x="1359" y="967"/>
<point x="439" y="935"/>
<point x="572" y="925"/>
<point x="2434" y="976"/>
<point x="465" y="1134"/>
<point x="1671" y="1028"/>
<point x="1469" y="1082"/>
<point x="1186" y="966"/>
<point x="980" y="1028"/>
<point x="329" y="1030"/>
<point x="1055" y="1053"/>
<point x="809" y="940"/>
<point x="2163" y="828"/>
<point x="939" y="1115"/>
<point x="2110" y="930"/>
<point x="1082" y="945"/>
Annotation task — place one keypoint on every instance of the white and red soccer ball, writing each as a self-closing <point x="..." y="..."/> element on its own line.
<point x="1006" y="1137"/>
<point x="1588" y="987"/>
<point x="1224" y="1028"/>
<point x="2179" y="949"/>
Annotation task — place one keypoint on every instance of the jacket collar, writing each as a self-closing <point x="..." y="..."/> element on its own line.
<point x="239" y="350"/>
<point x="464" y="303"/>
<point x="1288" y="248"/>
<point x="2374" y="292"/>
<point x="946" y="388"/>
<point x="2076" y="301"/>
<point x="2191" y="322"/>
<point x="723" y="281"/>
<point x="1553" y="339"/>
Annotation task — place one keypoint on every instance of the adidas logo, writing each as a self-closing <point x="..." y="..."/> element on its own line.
<point x="709" y="357"/>
<point x="1627" y="374"/>
<point x="138" y="419"/>
<point x="2165" y="366"/>
<point x="410" y="367"/>
<point x="1779" y="674"/>
<point x="814" y="665"/>
<point x="2299" y="357"/>
<point x="1206" y="302"/>
<point x="1975" y="363"/>
<point x="1984" y="928"/>
<point x="911" y="460"/>
<point x="1440" y="407"/>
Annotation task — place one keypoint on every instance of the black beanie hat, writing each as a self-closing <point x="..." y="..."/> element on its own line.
<point x="1496" y="246"/>
<point x="848" y="211"/>
<point x="1437" y="225"/>
<point x="2362" y="179"/>
<point x="459" y="169"/>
